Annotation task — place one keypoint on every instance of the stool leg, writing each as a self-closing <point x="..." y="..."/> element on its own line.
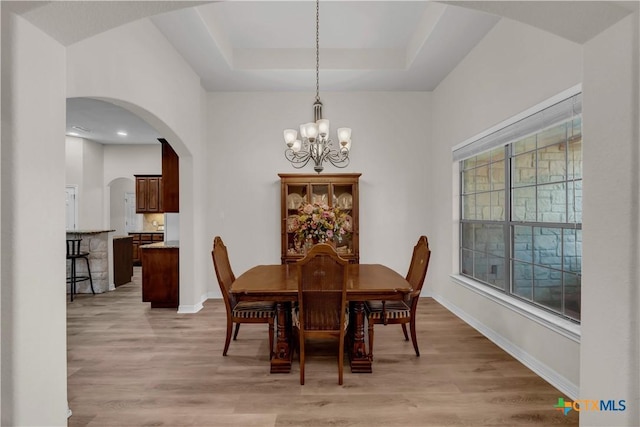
<point x="89" y="273"/>
<point x="72" y="289"/>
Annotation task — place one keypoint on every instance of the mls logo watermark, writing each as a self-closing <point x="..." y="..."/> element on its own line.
<point x="589" y="405"/>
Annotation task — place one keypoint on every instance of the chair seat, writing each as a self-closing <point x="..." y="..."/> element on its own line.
<point x="254" y="310"/>
<point x="78" y="255"/>
<point x="392" y="309"/>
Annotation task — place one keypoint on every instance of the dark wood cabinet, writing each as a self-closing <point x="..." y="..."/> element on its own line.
<point x="170" y="178"/>
<point x="122" y="260"/>
<point x="160" y="276"/>
<point x="141" y="238"/>
<point x="149" y="197"/>
<point x="334" y="190"/>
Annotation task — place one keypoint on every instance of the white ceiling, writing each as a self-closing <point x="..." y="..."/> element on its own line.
<point x="364" y="45"/>
<point x="100" y="121"/>
<point x="380" y="45"/>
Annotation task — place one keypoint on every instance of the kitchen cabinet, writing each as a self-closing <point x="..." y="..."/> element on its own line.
<point x="122" y="260"/>
<point x="334" y="190"/>
<point x="170" y="178"/>
<point x="149" y="197"/>
<point x="160" y="274"/>
<point x="143" y="238"/>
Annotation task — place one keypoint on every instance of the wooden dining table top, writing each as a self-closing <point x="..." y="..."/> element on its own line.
<point x="280" y="282"/>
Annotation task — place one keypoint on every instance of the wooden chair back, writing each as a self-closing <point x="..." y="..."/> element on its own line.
<point x="224" y="273"/>
<point x="418" y="267"/>
<point x="322" y="280"/>
<point x="322" y="300"/>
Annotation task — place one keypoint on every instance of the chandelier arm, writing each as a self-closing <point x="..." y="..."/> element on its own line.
<point x="338" y="159"/>
<point x="335" y="156"/>
<point x="340" y="164"/>
<point x="297" y="160"/>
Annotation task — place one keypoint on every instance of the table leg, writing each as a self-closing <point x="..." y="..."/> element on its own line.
<point x="360" y="362"/>
<point x="281" y="360"/>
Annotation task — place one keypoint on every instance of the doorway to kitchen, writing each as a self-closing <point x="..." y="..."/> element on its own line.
<point x="132" y="220"/>
<point x="71" y="192"/>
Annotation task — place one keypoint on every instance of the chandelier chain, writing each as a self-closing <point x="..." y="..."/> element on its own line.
<point x="317" y="50"/>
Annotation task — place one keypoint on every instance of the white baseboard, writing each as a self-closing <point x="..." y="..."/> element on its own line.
<point x="191" y="309"/>
<point x="544" y="371"/>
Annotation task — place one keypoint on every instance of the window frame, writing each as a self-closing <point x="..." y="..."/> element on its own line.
<point x="505" y="295"/>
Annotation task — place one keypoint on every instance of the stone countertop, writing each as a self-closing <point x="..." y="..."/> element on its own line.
<point x="146" y="232"/>
<point x="88" y="231"/>
<point x="171" y="244"/>
<point x="122" y="237"/>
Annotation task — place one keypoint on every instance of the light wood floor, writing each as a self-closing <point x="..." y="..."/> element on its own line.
<point x="129" y="365"/>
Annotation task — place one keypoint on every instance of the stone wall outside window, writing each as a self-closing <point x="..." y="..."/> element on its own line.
<point x="542" y="239"/>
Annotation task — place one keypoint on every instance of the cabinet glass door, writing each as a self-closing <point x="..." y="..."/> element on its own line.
<point x="342" y="198"/>
<point x="297" y="195"/>
<point x="320" y="194"/>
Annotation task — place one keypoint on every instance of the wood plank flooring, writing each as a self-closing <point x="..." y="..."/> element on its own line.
<point x="129" y="365"/>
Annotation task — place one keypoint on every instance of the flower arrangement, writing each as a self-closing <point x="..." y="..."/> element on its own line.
<point x="320" y="223"/>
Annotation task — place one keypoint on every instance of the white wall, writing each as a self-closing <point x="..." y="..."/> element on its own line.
<point x="246" y="152"/>
<point x="93" y="166"/>
<point x="117" y="215"/>
<point x="609" y="354"/>
<point x="73" y="160"/>
<point x="124" y="161"/>
<point x="33" y="324"/>
<point x="512" y="69"/>
<point x="84" y="168"/>
<point x="121" y="163"/>
<point x="91" y="206"/>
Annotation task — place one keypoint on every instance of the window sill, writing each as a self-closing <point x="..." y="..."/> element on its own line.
<point x="563" y="327"/>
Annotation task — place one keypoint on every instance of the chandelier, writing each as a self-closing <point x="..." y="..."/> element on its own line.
<point x="315" y="143"/>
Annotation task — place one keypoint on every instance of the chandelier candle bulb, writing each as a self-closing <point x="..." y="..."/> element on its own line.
<point x="323" y="127"/>
<point x="290" y="136"/>
<point x="311" y="131"/>
<point x="344" y="135"/>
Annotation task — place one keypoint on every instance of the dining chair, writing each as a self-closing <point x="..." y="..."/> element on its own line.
<point x="322" y="301"/>
<point x="401" y="312"/>
<point x="243" y="311"/>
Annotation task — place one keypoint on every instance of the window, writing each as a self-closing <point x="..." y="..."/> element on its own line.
<point x="521" y="208"/>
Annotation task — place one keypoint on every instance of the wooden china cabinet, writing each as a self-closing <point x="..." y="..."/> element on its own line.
<point x="334" y="190"/>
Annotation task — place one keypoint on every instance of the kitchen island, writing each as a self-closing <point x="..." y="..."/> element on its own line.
<point x="160" y="274"/>
<point x="99" y="245"/>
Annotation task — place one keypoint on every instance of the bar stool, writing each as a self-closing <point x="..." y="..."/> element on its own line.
<point x="73" y="253"/>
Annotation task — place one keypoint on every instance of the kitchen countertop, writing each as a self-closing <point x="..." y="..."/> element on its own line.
<point x="146" y="232"/>
<point x="88" y="231"/>
<point x="171" y="244"/>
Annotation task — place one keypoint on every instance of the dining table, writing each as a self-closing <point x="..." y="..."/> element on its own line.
<point x="279" y="283"/>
